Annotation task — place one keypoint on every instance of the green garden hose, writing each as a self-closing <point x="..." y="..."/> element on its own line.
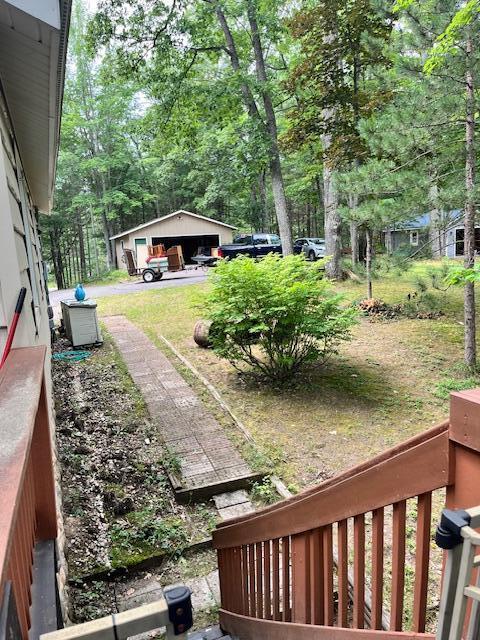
<point x="71" y="356"/>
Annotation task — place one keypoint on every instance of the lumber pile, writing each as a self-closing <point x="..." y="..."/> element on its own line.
<point x="175" y="258"/>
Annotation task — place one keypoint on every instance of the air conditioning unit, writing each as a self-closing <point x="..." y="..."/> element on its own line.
<point x="81" y="322"/>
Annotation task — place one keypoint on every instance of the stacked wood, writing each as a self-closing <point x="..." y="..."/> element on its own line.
<point x="129" y="258"/>
<point x="175" y="258"/>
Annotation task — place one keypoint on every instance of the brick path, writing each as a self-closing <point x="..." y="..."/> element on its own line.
<point x="209" y="463"/>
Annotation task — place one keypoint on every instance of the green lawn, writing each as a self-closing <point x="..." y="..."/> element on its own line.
<point x="390" y="382"/>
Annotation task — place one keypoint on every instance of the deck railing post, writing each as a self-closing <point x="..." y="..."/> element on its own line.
<point x="463" y="491"/>
<point x="464" y="432"/>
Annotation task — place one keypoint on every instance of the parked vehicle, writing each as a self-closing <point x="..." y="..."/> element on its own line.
<point x="313" y="248"/>
<point x="254" y="245"/>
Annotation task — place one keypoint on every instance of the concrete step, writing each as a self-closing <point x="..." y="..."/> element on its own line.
<point x="209" y="633"/>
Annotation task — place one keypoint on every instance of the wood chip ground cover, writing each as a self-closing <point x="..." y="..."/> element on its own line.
<point x="118" y="505"/>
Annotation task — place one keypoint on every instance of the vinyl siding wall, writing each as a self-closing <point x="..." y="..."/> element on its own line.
<point x="20" y="249"/>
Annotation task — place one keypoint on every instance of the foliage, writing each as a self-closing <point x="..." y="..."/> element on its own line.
<point x="275" y="315"/>
<point x="264" y="491"/>
<point x="445" y="387"/>
<point x="89" y="601"/>
<point x="460" y="275"/>
<point x="446" y="42"/>
<point x="337" y="78"/>
<point x="145" y="532"/>
<point x="171" y="462"/>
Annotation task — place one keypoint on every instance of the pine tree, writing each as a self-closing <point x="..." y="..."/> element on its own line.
<point x="341" y="43"/>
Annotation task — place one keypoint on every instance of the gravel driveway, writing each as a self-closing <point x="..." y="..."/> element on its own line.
<point x="176" y="279"/>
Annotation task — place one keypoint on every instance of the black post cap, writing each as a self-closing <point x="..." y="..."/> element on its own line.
<point x="448" y="531"/>
<point x="179" y="603"/>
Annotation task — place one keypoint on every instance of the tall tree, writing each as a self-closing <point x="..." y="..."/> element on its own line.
<point x="147" y="43"/>
<point x="453" y="57"/>
<point x="342" y="43"/>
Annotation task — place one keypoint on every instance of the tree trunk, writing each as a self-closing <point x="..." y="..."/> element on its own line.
<point x="271" y="125"/>
<point x="368" y="262"/>
<point x="81" y="248"/>
<point x="436" y="230"/>
<point x="76" y="261"/>
<point x="67" y="279"/>
<point x="95" y="247"/>
<point x="333" y="245"/>
<point x="108" y="243"/>
<point x="354" y="242"/>
<point x="278" y="189"/>
<point x="263" y="217"/>
<point x="56" y="259"/>
<point x="469" y="293"/>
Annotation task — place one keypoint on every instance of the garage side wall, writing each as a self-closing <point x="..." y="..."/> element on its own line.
<point x="180" y="225"/>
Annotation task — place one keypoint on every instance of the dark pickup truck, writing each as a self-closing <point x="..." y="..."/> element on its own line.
<point x="254" y="245"/>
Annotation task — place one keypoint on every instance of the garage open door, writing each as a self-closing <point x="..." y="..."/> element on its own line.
<point x="190" y="244"/>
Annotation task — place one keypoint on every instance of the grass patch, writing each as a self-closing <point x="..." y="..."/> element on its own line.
<point x="380" y="389"/>
<point x="446" y="386"/>
<point x="145" y="533"/>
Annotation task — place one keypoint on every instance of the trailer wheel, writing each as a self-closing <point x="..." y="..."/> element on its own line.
<point x="148" y="275"/>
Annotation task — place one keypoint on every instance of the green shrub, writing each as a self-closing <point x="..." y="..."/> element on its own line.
<point x="274" y="315"/>
<point x="264" y="491"/>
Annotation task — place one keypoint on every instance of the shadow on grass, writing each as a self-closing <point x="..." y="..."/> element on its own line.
<point x="338" y="382"/>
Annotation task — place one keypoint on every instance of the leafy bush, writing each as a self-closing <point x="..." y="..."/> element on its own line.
<point x="274" y="315"/>
<point x="458" y="274"/>
<point x="264" y="491"/>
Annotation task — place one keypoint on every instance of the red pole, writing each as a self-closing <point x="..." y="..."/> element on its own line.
<point x="13" y="326"/>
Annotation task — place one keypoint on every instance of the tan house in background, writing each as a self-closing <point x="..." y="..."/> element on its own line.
<point x="189" y="230"/>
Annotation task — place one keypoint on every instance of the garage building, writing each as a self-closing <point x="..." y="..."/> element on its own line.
<point x="189" y="230"/>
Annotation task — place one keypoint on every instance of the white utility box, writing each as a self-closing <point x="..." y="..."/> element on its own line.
<point x="81" y="322"/>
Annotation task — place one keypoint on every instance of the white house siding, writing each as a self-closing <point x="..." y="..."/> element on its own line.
<point x="179" y="225"/>
<point x="20" y="250"/>
<point x="450" y="243"/>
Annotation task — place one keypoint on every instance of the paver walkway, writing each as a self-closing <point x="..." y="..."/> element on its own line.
<point x="209" y="463"/>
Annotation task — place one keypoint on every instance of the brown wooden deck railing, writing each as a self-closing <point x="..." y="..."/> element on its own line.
<point x="277" y="573"/>
<point x="27" y="492"/>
